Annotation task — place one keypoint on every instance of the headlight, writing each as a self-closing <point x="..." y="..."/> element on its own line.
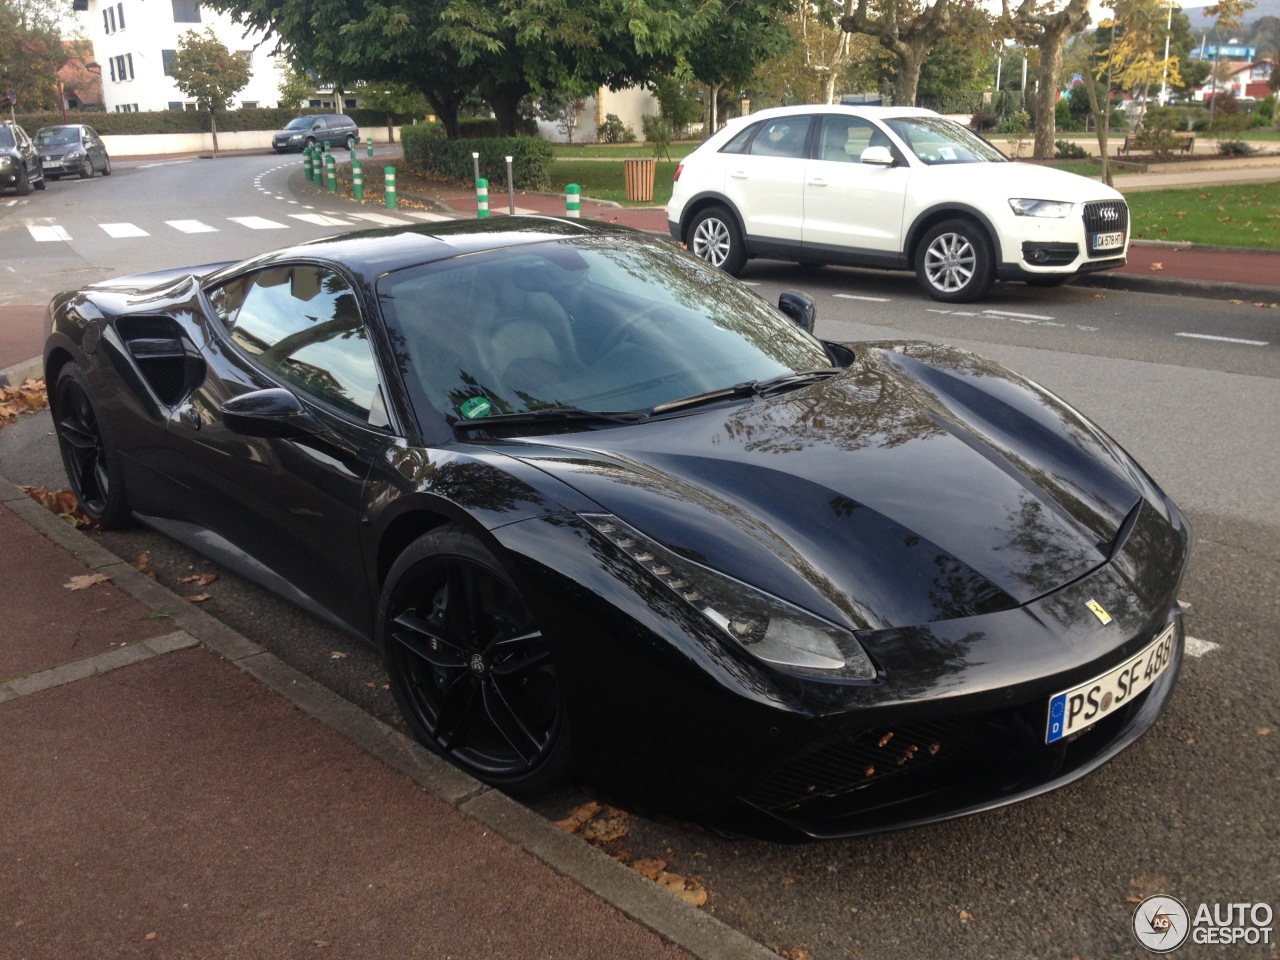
<point x="73" y="155"/>
<point x="295" y="136"/>
<point x="1040" y="208"/>
<point x="767" y="627"/>
<point x="6" y="161"/>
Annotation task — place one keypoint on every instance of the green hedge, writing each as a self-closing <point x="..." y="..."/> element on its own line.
<point x="192" y="121"/>
<point x="531" y="158"/>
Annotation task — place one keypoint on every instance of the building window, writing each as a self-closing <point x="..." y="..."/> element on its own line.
<point x="175" y="104"/>
<point x="106" y="23"/>
<point x="313" y="103"/>
<point x="120" y="15"/>
<point x="129" y="59"/>
<point x="111" y="17"/>
<point x="186" y="11"/>
<point x="249" y="105"/>
<point x="166" y="57"/>
<point x="119" y="63"/>
<point x="111" y="64"/>
<point x="349" y="103"/>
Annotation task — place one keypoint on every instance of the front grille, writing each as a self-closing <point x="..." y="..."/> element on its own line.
<point x="1104" y="216"/>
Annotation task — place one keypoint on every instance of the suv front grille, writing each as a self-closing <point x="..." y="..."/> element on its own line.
<point x="1104" y="216"/>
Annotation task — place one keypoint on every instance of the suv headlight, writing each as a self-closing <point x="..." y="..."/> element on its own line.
<point x="1040" y="208"/>
<point x="767" y="627"/>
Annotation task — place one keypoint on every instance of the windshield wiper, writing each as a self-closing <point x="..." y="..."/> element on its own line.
<point x="759" y="388"/>
<point x="550" y="415"/>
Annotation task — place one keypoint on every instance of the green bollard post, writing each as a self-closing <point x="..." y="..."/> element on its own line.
<point x="306" y="162"/>
<point x="331" y="172"/>
<point x="390" y="174"/>
<point x="371" y="146"/>
<point x="357" y="179"/>
<point x="573" y="200"/>
<point x="482" y="198"/>
<point x="328" y="147"/>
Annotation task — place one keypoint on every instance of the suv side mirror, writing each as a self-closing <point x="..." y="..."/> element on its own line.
<point x="877" y="156"/>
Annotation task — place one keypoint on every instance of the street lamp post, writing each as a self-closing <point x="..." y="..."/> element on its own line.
<point x="1164" y="76"/>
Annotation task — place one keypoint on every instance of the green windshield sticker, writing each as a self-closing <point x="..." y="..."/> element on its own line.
<point x="476" y="407"/>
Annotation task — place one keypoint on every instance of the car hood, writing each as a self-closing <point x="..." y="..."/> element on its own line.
<point x="922" y="484"/>
<point x="1016" y="179"/>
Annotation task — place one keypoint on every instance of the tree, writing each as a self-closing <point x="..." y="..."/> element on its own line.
<point x="1037" y="24"/>
<point x="809" y="69"/>
<point x="207" y="71"/>
<point x="727" y="52"/>
<point x="390" y="99"/>
<point x="30" y="53"/>
<point x="1228" y="16"/>
<point x="296" y="86"/>
<point x="908" y="30"/>
<point x="959" y="62"/>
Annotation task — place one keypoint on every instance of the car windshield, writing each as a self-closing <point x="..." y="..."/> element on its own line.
<point x="299" y="123"/>
<point x="937" y="140"/>
<point x="603" y="324"/>
<point x="57" y="135"/>
<point x="7" y="141"/>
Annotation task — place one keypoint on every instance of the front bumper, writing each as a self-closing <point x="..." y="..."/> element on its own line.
<point x="1047" y="247"/>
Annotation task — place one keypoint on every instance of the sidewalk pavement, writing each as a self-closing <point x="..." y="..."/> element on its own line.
<point x="172" y="790"/>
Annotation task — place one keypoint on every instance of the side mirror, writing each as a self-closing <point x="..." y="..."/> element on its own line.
<point x="877" y="156"/>
<point x="274" y="412"/>
<point x="800" y="308"/>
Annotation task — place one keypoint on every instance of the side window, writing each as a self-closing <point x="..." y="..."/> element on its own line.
<point x="844" y="138"/>
<point x="783" y="137"/>
<point x="303" y="323"/>
<point x="740" y="140"/>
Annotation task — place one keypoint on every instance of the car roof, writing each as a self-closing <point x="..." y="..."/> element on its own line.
<point x="849" y="110"/>
<point x="375" y="252"/>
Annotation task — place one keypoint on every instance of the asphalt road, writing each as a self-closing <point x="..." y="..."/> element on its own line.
<point x="1189" y="811"/>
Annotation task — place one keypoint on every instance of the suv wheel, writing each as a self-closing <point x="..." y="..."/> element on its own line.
<point x="714" y="237"/>
<point x="954" y="263"/>
<point x="23" y="184"/>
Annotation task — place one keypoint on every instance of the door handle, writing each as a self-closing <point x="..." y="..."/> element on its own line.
<point x="739" y="174"/>
<point x="817" y="182"/>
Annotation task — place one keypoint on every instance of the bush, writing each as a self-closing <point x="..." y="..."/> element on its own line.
<point x="531" y="157"/>
<point x="1068" y="150"/>
<point x="658" y="132"/>
<point x="1063" y="118"/>
<point x="1019" y="121"/>
<point x="613" y="130"/>
<point x="1234" y="148"/>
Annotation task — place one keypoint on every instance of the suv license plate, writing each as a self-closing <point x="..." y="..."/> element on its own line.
<point x="1082" y="706"/>
<point x="1108" y="241"/>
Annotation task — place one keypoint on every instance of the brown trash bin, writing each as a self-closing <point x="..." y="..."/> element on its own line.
<point x="640" y="174"/>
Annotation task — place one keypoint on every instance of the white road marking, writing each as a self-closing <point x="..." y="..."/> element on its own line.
<point x="320" y="219"/>
<point x="424" y="215"/>
<point x="191" y="226"/>
<point x="1198" y="648"/>
<point x="48" y="234"/>
<point x="120" y="231"/>
<point x="1209" y="336"/>
<point x="381" y="218"/>
<point x="1015" y="316"/>
<point x="258" y="223"/>
<point x="11" y="203"/>
<point x="852" y="296"/>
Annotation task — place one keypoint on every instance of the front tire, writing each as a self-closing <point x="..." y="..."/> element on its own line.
<point x="86" y="169"/>
<point x="91" y="458"/>
<point x="23" y="186"/>
<point x="469" y="667"/>
<point x="106" y="167"/>
<point x="954" y="262"/>
<point x="351" y="143"/>
<point x="714" y="237"/>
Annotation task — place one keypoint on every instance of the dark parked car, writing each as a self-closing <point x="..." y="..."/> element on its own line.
<point x="72" y="149"/>
<point x="301" y="132"/>
<point x="19" y="161"/>
<point x="608" y="513"/>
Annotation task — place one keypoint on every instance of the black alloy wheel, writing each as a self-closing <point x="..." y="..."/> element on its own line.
<point x="93" y="468"/>
<point x="470" y="669"/>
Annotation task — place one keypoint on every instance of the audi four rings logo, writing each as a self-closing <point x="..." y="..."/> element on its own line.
<point x="1109" y="214"/>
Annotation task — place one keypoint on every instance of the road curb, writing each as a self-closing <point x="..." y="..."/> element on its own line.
<point x="19" y="373"/>
<point x="1169" y="286"/>
<point x="642" y="901"/>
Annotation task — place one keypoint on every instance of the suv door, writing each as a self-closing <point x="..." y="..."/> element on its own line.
<point x="852" y="207"/>
<point x="765" y="181"/>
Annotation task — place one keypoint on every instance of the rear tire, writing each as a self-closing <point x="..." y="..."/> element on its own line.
<point x="106" y="169"/>
<point x="23" y="186"/>
<point x="89" y="454"/>
<point x="42" y="183"/>
<point x="714" y="237"/>
<point x="954" y="262"/>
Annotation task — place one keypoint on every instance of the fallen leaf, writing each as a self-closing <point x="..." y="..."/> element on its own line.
<point x="1264" y="731"/>
<point x="793" y="953"/>
<point x="606" y="829"/>
<point x="1157" y="266"/>
<point x="650" y="867"/>
<point x="199" y="579"/>
<point x="338" y="655"/>
<point x="915" y="856"/>
<point x="196" y="597"/>
<point x="578" y="816"/>
<point x="85" y="581"/>
<point x="965" y="916"/>
<point x="143" y="565"/>
<point x="151" y="936"/>
<point x="690" y="891"/>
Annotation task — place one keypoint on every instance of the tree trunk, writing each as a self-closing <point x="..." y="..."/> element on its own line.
<point x="1102" y="122"/>
<point x="505" y="100"/>
<point x="910" y="60"/>
<point x="391" y="129"/>
<point x="1047" y="94"/>
<point x="213" y="128"/>
<point x="446" y="108"/>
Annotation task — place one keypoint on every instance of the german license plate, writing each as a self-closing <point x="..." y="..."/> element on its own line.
<point x="1108" y="241"/>
<point x="1073" y="710"/>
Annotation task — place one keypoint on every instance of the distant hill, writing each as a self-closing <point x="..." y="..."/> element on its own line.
<point x="1262" y="8"/>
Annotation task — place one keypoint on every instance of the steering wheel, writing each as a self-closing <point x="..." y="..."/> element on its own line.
<point x="624" y="327"/>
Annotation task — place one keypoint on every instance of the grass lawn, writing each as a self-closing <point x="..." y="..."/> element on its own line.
<point x="1238" y="215"/>
<point x="606" y="181"/>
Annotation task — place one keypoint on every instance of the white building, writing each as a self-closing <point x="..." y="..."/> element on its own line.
<point x="134" y="41"/>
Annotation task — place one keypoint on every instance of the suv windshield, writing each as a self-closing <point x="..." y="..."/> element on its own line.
<point x="939" y="140"/>
<point x="605" y="325"/>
